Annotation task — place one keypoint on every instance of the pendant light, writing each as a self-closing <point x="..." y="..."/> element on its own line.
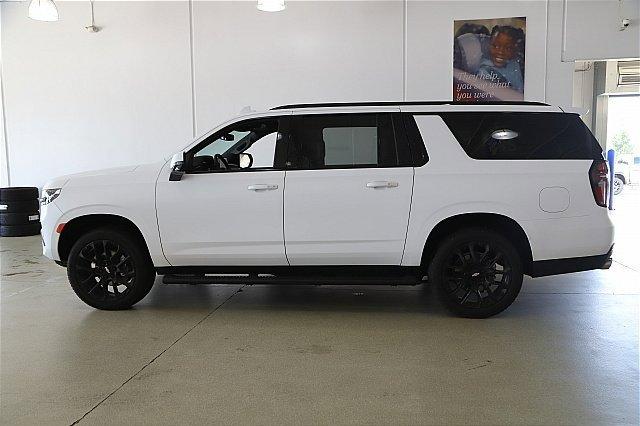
<point x="43" y="10"/>
<point x="271" y="5"/>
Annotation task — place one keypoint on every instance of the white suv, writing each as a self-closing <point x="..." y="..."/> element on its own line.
<point x="471" y="196"/>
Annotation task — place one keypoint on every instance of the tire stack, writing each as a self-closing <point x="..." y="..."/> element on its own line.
<point x="19" y="211"/>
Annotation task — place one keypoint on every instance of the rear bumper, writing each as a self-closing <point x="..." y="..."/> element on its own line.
<point x="542" y="268"/>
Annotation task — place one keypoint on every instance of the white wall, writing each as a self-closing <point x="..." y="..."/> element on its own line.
<point x="583" y="90"/>
<point x="77" y="101"/>
<point x="4" y="168"/>
<point x="311" y="52"/>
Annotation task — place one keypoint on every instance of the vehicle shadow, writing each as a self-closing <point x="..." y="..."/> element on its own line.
<point x="420" y="299"/>
<point x="374" y="298"/>
<point x="308" y="298"/>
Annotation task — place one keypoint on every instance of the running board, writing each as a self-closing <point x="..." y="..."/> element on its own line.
<point x="297" y="275"/>
<point x="248" y="279"/>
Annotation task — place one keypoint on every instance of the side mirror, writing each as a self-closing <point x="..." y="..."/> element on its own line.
<point x="246" y="160"/>
<point x="177" y="167"/>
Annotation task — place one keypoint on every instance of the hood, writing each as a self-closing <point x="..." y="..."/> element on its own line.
<point x="60" y="181"/>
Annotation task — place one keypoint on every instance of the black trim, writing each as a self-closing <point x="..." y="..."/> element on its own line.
<point x="411" y="103"/>
<point x="543" y="268"/>
<point x="403" y="150"/>
<point x="414" y="139"/>
<point x="354" y="274"/>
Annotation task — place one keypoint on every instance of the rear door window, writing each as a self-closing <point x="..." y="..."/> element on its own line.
<point x="523" y="136"/>
<point x="330" y="141"/>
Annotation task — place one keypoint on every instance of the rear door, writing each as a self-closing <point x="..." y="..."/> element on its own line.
<point x="347" y="189"/>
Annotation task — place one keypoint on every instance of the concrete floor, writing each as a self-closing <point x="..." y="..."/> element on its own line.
<point x="566" y="352"/>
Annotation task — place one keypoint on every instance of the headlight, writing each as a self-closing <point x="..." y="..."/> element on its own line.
<point x="48" y="195"/>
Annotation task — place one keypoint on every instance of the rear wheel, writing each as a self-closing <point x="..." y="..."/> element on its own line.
<point x="618" y="185"/>
<point x="478" y="273"/>
<point x="109" y="269"/>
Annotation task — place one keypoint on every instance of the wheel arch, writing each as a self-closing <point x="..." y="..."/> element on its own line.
<point x="504" y="225"/>
<point x="78" y="226"/>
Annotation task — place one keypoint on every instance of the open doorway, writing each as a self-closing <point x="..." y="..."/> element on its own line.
<point x="608" y="93"/>
<point x="623" y="136"/>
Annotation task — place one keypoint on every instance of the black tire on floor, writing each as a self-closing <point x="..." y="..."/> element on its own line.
<point x="19" y="218"/>
<point x="104" y="257"/>
<point x="22" y="206"/>
<point x="478" y="273"/>
<point x="20" y="230"/>
<point x="18" y="193"/>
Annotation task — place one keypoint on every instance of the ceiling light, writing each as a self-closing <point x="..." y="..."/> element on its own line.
<point x="43" y="10"/>
<point x="271" y="5"/>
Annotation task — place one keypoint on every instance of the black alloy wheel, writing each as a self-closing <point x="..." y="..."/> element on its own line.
<point x="478" y="273"/>
<point x="105" y="269"/>
<point x="109" y="270"/>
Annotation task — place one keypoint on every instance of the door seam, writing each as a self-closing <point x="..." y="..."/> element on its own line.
<point x="284" y="194"/>
<point x="406" y="233"/>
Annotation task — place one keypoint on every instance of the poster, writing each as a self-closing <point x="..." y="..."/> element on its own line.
<point x="488" y="60"/>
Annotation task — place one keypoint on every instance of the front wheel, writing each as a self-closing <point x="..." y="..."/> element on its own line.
<point x="478" y="273"/>
<point x="109" y="270"/>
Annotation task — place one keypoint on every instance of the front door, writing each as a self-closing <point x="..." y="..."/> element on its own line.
<point x="228" y="208"/>
<point x="348" y="190"/>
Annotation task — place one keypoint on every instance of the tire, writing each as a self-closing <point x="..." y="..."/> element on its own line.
<point x="469" y="288"/>
<point x="19" y="193"/>
<point x="20" y="230"/>
<point x="18" y="218"/>
<point x="618" y="185"/>
<point x="23" y="206"/>
<point x="128" y="263"/>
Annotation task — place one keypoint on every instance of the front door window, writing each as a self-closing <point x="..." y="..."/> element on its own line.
<point x="248" y="145"/>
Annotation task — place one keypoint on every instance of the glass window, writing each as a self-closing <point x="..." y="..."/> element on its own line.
<point x="523" y="135"/>
<point x="342" y="141"/>
<point x="350" y="145"/>
<point x="247" y="145"/>
<point x="418" y="149"/>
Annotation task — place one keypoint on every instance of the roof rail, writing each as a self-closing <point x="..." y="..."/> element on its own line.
<point x="388" y="103"/>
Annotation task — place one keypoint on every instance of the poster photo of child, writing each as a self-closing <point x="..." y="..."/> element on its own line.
<point x="489" y="60"/>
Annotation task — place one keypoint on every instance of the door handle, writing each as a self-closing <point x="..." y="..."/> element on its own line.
<point x="262" y="187"/>
<point x="382" y="184"/>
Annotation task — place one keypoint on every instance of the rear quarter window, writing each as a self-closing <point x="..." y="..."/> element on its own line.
<point x="523" y="136"/>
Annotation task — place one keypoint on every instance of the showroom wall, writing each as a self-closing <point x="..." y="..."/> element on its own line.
<point x="160" y="72"/>
<point x="310" y="52"/>
<point x="78" y="101"/>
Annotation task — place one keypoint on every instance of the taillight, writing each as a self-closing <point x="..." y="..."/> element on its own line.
<point x="599" y="178"/>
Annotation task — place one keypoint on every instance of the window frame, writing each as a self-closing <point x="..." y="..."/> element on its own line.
<point x="280" y="152"/>
<point x="396" y="130"/>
